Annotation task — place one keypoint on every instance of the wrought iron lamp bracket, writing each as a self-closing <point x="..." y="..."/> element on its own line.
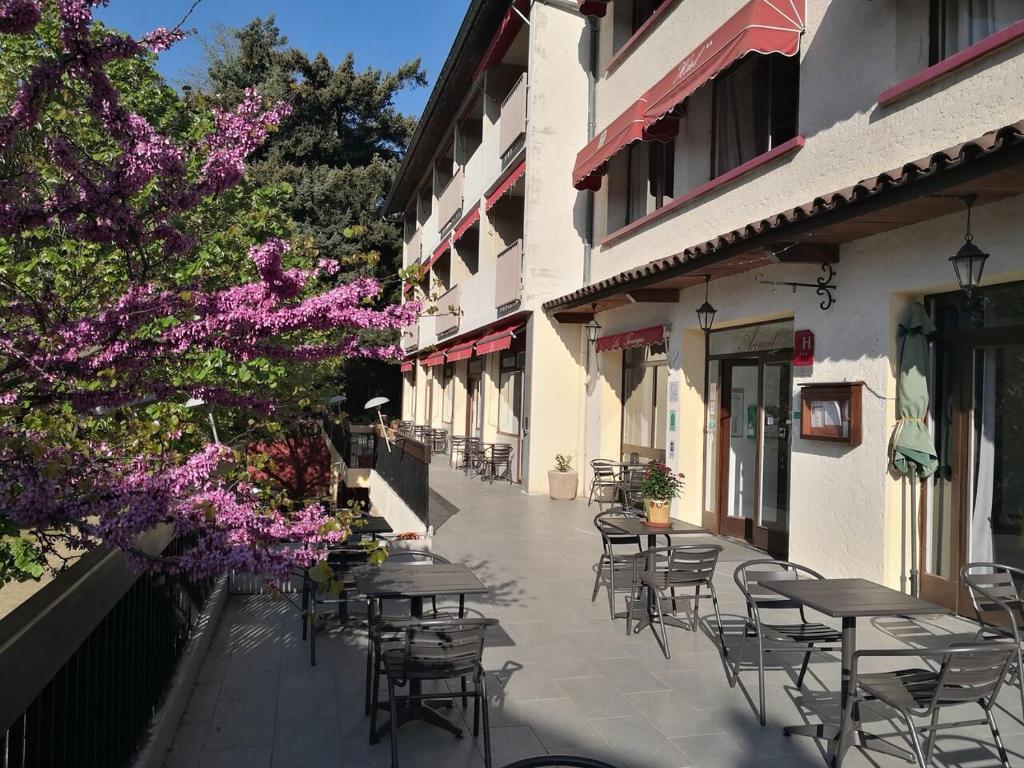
<point x="823" y="286"/>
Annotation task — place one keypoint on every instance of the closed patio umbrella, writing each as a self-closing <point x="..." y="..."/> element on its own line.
<point x="912" y="451"/>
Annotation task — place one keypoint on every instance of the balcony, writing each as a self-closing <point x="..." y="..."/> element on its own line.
<point x="512" y="127"/>
<point x="447" y="319"/>
<point x="449" y="203"/>
<point x="508" y="280"/>
<point x="414" y="247"/>
<point x="411" y="337"/>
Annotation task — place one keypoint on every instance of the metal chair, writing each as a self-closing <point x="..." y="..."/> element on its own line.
<point x="799" y="636"/>
<point x="662" y="571"/>
<point x="436" y="650"/>
<point x="629" y="487"/>
<point x="495" y="456"/>
<point x="615" y="563"/>
<point x="439" y="440"/>
<point x="969" y="673"/>
<point x="559" y="761"/>
<point x="458" y="449"/>
<point x="315" y="595"/>
<point x="376" y="619"/>
<point x="604" y="483"/>
<point x="997" y="604"/>
<point x="472" y="455"/>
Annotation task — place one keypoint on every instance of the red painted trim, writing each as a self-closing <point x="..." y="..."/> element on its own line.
<point x="763" y="159"/>
<point x="642" y="337"/>
<point x="406" y="367"/>
<point x="505" y="185"/>
<point x="627" y="47"/>
<point x="968" y="55"/>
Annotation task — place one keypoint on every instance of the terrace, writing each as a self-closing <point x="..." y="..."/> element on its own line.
<point x="562" y="677"/>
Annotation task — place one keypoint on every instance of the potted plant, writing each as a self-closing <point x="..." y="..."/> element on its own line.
<point x="563" y="480"/>
<point x="659" y="486"/>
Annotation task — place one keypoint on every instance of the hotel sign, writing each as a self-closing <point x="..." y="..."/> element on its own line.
<point x="803" y="349"/>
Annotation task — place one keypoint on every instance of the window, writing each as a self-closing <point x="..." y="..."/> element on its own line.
<point x="642" y="11"/>
<point x="644" y="392"/>
<point x="424" y="204"/>
<point x="448" y="392"/>
<point x="651" y="174"/>
<point x="510" y="391"/>
<point x="959" y="24"/>
<point x="755" y="109"/>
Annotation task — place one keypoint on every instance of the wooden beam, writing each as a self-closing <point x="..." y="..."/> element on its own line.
<point x="654" y="295"/>
<point x="573" y="317"/>
<point x="806" y="253"/>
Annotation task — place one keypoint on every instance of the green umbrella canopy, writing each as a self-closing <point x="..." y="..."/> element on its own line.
<point x="912" y="449"/>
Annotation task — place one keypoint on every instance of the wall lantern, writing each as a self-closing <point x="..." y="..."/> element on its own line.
<point x="593" y="327"/>
<point x="705" y="312"/>
<point x="969" y="261"/>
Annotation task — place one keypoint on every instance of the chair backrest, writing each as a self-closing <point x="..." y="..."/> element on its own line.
<point x="685" y="563"/>
<point x="752" y="576"/>
<point x="417" y="556"/>
<point x="603" y="469"/>
<point x="994" y="595"/>
<point x="500" y="452"/>
<point x="973" y="672"/>
<point x="610" y="534"/>
<point x="444" y="647"/>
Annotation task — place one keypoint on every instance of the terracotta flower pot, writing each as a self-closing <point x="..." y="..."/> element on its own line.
<point x="657" y="512"/>
<point x="562" y="485"/>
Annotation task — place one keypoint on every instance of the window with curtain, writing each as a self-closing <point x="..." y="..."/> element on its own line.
<point x="651" y="178"/>
<point x="959" y="24"/>
<point x="448" y="384"/>
<point x="510" y="391"/>
<point x="644" y="391"/>
<point x="642" y="11"/>
<point x="755" y="109"/>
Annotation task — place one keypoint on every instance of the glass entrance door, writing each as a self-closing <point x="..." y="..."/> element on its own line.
<point x="754" y="443"/>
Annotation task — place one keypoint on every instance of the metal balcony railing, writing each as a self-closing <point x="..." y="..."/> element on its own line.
<point x="448" y="312"/>
<point x="508" y="287"/>
<point x="449" y="204"/>
<point x="512" y="126"/>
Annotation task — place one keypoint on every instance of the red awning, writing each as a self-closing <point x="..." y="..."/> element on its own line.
<point x="406" y="367"/>
<point x="462" y="351"/>
<point x="434" y="358"/>
<point x="592" y="160"/>
<point x="463" y="226"/>
<point x="438" y="253"/>
<point x="642" y="337"/>
<point x="761" y="26"/>
<point x="506" y="34"/>
<point x="506" y="185"/>
<point x="593" y="7"/>
<point x="499" y="340"/>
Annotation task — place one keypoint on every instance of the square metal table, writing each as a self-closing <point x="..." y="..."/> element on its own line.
<point x="415" y="582"/>
<point x="371" y="525"/>
<point x="846" y="599"/>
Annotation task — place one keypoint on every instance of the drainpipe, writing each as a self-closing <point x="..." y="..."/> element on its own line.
<point x="588" y="226"/>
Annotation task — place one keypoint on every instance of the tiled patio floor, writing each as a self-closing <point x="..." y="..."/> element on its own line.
<point x="563" y="678"/>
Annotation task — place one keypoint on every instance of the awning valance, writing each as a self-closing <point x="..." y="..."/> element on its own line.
<point x="642" y="337"/>
<point x="463" y="226"/>
<point x="592" y="160"/>
<point x="506" y="185"/>
<point x="434" y="358"/>
<point x="462" y="351"/>
<point x="438" y="253"/>
<point x="761" y="26"/>
<point x="499" y="340"/>
<point x="406" y="367"/>
<point x="593" y="7"/>
<point x="505" y="36"/>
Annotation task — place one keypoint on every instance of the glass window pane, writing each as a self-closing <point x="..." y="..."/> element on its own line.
<point x="660" y="408"/>
<point x="754" y="338"/>
<point x="637" y="408"/>
<point x="711" y="440"/>
<point x="966" y="22"/>
<point x="509" y="386"/>
<point x="743" y="441"/>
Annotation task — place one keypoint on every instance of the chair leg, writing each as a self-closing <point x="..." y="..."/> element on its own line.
<point x="597" y="577"/>
<point x="611" y="586"/>
<point x="305" y="602"/>
<point x="696" y="608"/>
<point x="929" y="748"/>
<point x="656" y="597"/>
<point x="1020" y="680"/>
<point x="465" y="697"/>
<point x="370" y="661"/>
<point x="1003" y="759"/>
<point x="634" y="597"/>
<point x="312" y="633"/>
<point x="915" y="741"/>
<point x="374" y="701"/>
<point x="760" y="680"/>
<point x="393" y="707"/>
<point x="803" y="666"/>
<point x="487" y="722"/>
<point x="739" y="658"/>
<point x="718" y="618"/>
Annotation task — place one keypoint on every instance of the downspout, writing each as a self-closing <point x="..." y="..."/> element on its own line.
<point x="588" y="226"/>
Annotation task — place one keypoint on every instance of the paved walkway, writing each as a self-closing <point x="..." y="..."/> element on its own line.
<point x="563" y="678"/>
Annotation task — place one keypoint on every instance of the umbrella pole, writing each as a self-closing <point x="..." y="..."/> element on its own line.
<point x="903" y="537"/>
<point x="914" y="573"/>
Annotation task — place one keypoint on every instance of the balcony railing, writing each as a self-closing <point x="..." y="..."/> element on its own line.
<point x="449" y="204"/>
<point x="414" y="247"/>
<point x="448" y="311"/>
<point x="410" y="337"/>
<point x="512" y="126"/>
<point x="508" y="280"/>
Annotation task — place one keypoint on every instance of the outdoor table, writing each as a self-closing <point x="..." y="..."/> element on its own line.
<point x="415" y="582"/>
<point x="846" y="599"/>
<point x="371" y="525"/>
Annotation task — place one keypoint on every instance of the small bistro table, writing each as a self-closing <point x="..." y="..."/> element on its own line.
<point x="415" y="582"/>
<point x="846" y="599"/>
<point x="371" y="525"/>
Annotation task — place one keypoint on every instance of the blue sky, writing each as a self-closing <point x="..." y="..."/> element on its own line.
<point x="381" y="33"/>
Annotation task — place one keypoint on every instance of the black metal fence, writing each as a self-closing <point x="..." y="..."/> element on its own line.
<point x="356" y="444"/>
<point x="406" y="468"/>
<point x="86" y="661"/>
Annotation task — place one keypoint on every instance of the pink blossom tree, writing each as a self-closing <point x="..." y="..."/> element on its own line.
<point x="128" y="287"/>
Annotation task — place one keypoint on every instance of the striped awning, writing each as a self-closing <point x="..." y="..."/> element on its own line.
<point x="506" y="185"/>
